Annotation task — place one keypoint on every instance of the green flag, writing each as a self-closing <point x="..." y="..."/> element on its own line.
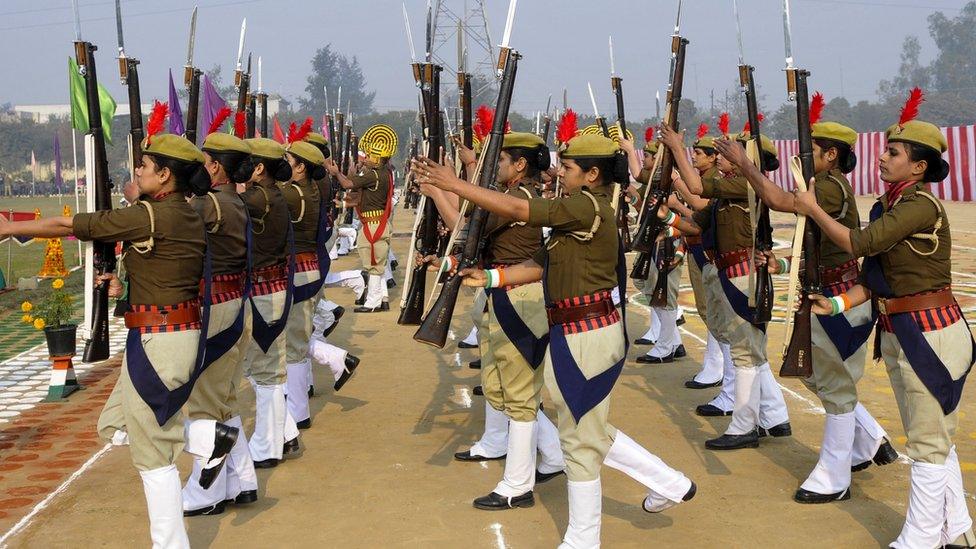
<point x="79" y="102"/>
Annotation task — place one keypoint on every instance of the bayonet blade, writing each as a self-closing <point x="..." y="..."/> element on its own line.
<point x="565" y="101"/>
<point x="325" y="89"/>
<point x="788" y="34"/>
<point x="677" y="21"/>
<point x="509" y="21"/>
<point x="118" y="27"/>
<point x="339" y="99"/>
<point x="738" y="32"/>
<point x="596" y="112"/>
<point x="193" y="38"/>
<point x="460" y="46"/>
<point x="548" y="104"/>
<point x="613" y="68"/>
<point x="260" y="76"/>
<point x="406" y="23"/>
<point x="248" y="64"/>
<point x="74" y="8"/>
<point x="240" y="45"/>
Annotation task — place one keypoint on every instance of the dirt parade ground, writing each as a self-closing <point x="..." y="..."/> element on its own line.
<point x="377" y="467"/>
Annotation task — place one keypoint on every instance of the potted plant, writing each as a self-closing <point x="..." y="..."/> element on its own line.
<point x="53" y="315"/>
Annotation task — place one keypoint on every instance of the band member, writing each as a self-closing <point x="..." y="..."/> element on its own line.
<point x="310" y="225"/>
<point x="726" y="232"/>
<point x="852" y="437"/>
<point x="922" y="335"/>
<point x="375" y="185"/>
<point x="214" y="396"/>
<point x="271" y="295"/>
<point x="515" y="331"/>
<point x="164" y="262"/>
<point x="579" y="266"/>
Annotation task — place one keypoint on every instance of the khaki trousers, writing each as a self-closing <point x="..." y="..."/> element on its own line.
<point x="585" y="443"/>
<point x="835" y="380"/>
<point x="267" y="368"/>
<point x="298" y="330"/>
<point x="929" y="431"/>
<point x="214" y="394"/>
<point x="746" y="341"/>
<point x="674" y="282"/>
<point x="695" y="276"/>
<point x="151" y="446"/>
<point x="509" y="382"/>
<point x="381" y="247"/>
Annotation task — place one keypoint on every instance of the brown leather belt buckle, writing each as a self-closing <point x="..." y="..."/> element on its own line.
<point x="881" y="303"/>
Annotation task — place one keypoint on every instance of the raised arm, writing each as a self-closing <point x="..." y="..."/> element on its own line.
<point x="633" y="159"/>
<point x="429" y="172"/>
<point x="675" y="141"/>
<point x="46" y="227"/>
<point x="770" y="193"/>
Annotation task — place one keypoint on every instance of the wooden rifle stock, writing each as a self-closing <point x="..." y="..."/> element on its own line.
<point x="651" y="226"/>
<point x="764" y="229"/>
<point x="250" y="117"/>
<point x="798" y="358"/>
<point x="263" y="104"/>
<point x="97" y="348"/>
<point x="623" y="208"/>
<point x="193" y="103"/>
<point x="437" y="323"/>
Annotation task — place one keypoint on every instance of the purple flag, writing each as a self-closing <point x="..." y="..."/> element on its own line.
<point x="212" y="103"/>
<point x="175" y="112"/>
<point x="58" y="181"/>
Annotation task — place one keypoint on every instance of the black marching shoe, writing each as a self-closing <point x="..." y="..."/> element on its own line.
<point x="246" y="497"/>
<point x="733" y="442"/>
<point x="466" y="456"/>
<point x="365" y="309"/>
<point x="337" y="313"/>
<point x="681" y="320"/>
<point x="224" y="439"/>
<point x="385" y="306"/>
<point x="390" y="283"/>
<point x="266" y="463"/>
<point x="311" y="391"/>
<point x="210" y="510"/>
<point x="710" y="410"/>
<point x="304" y="424"/>
<point x="495" y="502"/>
<point x="475" y="364"/>
<point x="352" y="362"/>
<point x="692" y="384"/>
<point x="806" y="496"/>
<point x="886" y="454"/>
<point x="361" y="299"/>
<point x="291" y="447"/>
<point x="648" y="359"/>
<point x="464" y="345"/>
<point x="393" y="265"/>
<point x="680" y="352"/>
<point x="478" y="390"/>
<point x="642" y="341"/>
<point x="542" y="478"/>
<point x="781" y="430"/>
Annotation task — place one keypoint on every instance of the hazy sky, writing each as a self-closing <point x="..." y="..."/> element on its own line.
<point x="847" y="45"/>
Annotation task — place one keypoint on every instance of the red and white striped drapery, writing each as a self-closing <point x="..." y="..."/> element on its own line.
<point x="961" y="156"/>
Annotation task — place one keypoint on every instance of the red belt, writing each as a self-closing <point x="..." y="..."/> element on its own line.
<point x="912" y="303"/>
<point x="224" y="286"/>
<point x="578" y="313"/>
<point x="693" y="240"/>
<point x="306" y="256"/>
<point x="840" y="275"/>
<point x="269" y="274"/>
<point x="730" y="259"/>
<point x="147" y="319"/>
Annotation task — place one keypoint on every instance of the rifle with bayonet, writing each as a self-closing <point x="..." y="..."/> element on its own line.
<point x="650" y="226"/>
<point x="761" y="287"/>
<point x="129" y="74"/>
<point x="547" y="121"/>
<point x="437" y="323"/>
<point x="623" y="208"/>
<point x="242" y="79"/>
<point x="191" y="79"/>
<point x="96" y="348"/>
<point x="798" y="354"/>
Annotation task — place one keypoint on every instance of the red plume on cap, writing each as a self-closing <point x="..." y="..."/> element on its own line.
<point x="218" y="121"/>
<point x="723" y="123"/>
<point x="816" y="108"/>
<point x="156" y="120"/>
<point x="702" y="131"/>
<point x="240" y="124"/>
<point x="748" y="127"/>
<point x="486" y="119"/>
<point x="649" y="134"/>
<point x="567" y="127"/>
<point x="910" y="110"/>
<point x="296" y="134"/>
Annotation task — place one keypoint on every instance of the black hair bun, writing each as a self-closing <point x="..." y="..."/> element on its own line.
<point x="621" y="168"/>
<point x="318" y="172"/>
<point x="243" y="172"/>
<point x="199" y="181"/>
<point x="543" y="160"/>
<point x="770" y="162"/>
<point x="280" y="170"/>
<point x="938" y="172"/>
<point x="848" y="162"/>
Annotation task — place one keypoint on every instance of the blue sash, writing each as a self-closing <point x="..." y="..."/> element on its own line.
<point x="218" y="345"/>
<point x="698" y="252"/>
<point x="924" y="361"/>
<point x="846" y="338"/>
<point x="322" y="236"/>
<point x="581" y="394"/>
<point x="163" y="401"/>
<point x="263" y="332"/>
<point x="738" y="300"/>
<point x="532" y="349"/>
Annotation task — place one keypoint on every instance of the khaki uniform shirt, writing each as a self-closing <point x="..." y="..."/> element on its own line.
<point x="577" y="268"/>
<point x="733" y="231"/>
<point x="836" y="197"/>
<point x="374" y="187"/>
<point x="169" y="273"/>
<point x="892" y="236"/>
<point x="227" y="241"/>
<point x="269" y="224"/>
<point x="510" y="243"/>
<point x="304" y="221"/>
